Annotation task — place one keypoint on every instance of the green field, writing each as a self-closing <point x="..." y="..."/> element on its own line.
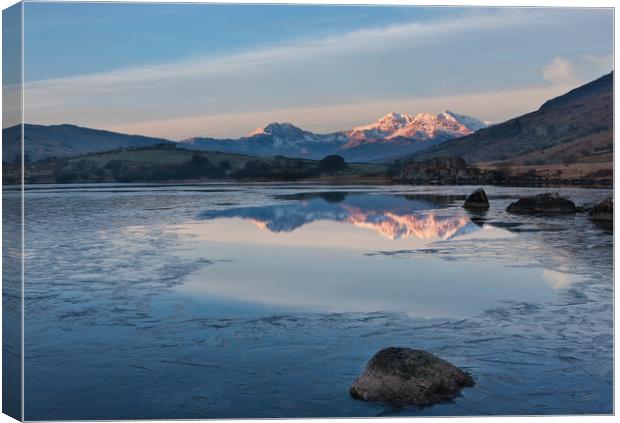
<point x="163" y="156"/>
<point x="177" y="156"/>
<point x="163" y="163"/>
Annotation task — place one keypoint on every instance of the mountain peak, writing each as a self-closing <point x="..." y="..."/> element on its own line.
<point x="383" y="127"/>
<point x="422" y="126"/>
<point x="468" y="122"/>
<point x="394" y="117"/>
<point x="281" y="135"/>
<point x="447" y="114"/>
<point x="274" y="128"/>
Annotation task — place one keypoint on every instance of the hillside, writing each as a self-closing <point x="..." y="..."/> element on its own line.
<point x="165" y="162"/>
<point x="43" y="141"/>
<point x="576" y="127"/>
<point x="392" y="134"/>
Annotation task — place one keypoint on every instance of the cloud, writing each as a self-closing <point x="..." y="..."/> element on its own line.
<point x="560" y="72"/>
<point x="11" y="105"/>
<point x="495" y="106"/>
<point x="559" y="280"/>
<point x="324" y="84"/>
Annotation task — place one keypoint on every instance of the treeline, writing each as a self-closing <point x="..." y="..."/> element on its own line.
<point x="197" y="167"/>
<point x="284" y="168"/>
<point x="129" y="171"/>
<point x="455" y="171"/>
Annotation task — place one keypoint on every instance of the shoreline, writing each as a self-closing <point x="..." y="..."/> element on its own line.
<point x="334" y="180"/>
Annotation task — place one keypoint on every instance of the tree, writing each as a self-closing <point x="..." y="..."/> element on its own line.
<point x="332" y="163"/>
<point x="225" y="166"/>
<point x="256" y="169"/>
<point x="199" y="160"/>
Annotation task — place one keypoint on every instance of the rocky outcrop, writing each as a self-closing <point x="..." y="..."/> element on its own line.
<point x="477" y="200"/>
<point x="402" y="376"/>
<point x="603" y="211"/>
<point x="441" y="170"/>
<point x="548" y="203"/>
<point x="584" y="208"/>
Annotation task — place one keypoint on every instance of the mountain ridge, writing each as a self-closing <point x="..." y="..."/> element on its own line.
<point x="576" y="126"/>
<point x="392" y="134"/>
<point x="63" y="140"/>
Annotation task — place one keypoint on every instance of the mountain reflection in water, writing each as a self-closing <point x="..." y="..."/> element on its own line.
<point x="394" y="217"/>
<point x="333" y="252"/>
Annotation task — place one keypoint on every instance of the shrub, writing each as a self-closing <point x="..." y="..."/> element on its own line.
<point x="332" y="163"/>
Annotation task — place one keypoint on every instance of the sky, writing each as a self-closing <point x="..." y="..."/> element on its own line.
<point x="185" y="70"/>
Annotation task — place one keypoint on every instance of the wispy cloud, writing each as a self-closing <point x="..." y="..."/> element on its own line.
<point x="560" y="72"/>
<point x="341" y="79"/>
<point x="11" y="105"/>
<point x="495" y="106"/>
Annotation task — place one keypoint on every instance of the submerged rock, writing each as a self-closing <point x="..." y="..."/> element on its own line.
<point x="584" y="208"/>
<point x="603" y="210"/>
<point x="477" y="200"/>
<point x="550" y="203"/>
<point x="403" y="376"/>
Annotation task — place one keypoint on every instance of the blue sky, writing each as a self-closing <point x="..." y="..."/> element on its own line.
<point x="180" y="70"/>
<point x="108" y="36"/>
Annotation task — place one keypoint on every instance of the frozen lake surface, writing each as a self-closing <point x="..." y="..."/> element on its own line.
<point x="225" y="300"/>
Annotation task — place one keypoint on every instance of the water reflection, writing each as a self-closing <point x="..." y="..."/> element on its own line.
<point x="130" y="290"/>
<point x="394" y="217"/>
<point x="316" y="252"/>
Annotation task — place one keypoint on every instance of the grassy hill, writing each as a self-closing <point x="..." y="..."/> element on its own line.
<point x="58" y="141"/>
<point x="161" y="163"/>
<point x="576" y="127"/>
<point x="159" y="155"/>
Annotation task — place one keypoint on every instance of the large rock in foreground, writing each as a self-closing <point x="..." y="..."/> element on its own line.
<point x="402" y="376"/>
<point x="477" y="200"/>
<point x="603" y="211"/>
<point x="549" y="203"/>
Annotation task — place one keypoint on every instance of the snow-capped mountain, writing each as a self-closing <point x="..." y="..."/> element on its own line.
<point x="287" y="134"/>
<point x="282" y="133"/>
<point x="391" y="135"/>
<point x="420" y="127"/>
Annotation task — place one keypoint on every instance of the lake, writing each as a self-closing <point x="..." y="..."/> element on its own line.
<point x="267" y="300"/>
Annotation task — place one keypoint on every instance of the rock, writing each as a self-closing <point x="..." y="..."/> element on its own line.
<point x="402" y="376"/>
<point x="477" y="200"/>
<point x="584" y="208"/>
<point x="439" y="170"/>
<point x="549" y="203"/>
<point x="603" y="210"/>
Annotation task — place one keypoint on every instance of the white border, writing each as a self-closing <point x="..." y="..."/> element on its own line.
<point x="496" y="3"/>
<point x="23" y="222"/>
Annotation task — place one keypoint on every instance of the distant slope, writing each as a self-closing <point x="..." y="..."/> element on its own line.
<point x="158" y="155"/>
<point x="600" y="86"/>
<point x="574" y="127"/>
<point x="168" y="163"/>
<point x="43" y="141"/>
<point x="393" y="134"/>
